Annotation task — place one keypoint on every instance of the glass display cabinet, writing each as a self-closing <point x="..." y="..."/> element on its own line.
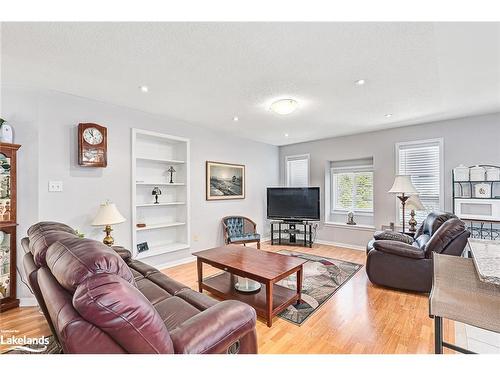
<point x="8" y="225"/>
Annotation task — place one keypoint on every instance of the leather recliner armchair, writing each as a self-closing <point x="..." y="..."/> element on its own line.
<point x="400" y="265"/>
<point x="98" y="299"/>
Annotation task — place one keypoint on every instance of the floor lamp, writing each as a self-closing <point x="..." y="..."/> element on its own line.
<point x="403" y="188"/>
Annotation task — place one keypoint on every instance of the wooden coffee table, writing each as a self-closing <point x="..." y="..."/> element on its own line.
<point x="259" y="265"/>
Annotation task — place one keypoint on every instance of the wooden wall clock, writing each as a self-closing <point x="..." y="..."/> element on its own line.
<point x="92" y="145"/>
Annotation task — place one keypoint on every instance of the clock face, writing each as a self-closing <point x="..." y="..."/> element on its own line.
<point x="92" y="136"/>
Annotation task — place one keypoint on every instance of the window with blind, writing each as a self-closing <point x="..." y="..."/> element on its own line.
<point x="352" y="186"/>
<point x="297" y="171"/>
<point x="422" y="161"/>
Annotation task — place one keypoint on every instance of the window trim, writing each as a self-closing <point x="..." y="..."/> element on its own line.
<point x="298" y="157"/>
<point x="352" y="169"/>
<point x="440" y="142"/>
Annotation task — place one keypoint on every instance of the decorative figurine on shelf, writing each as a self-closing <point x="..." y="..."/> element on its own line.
<point x="6" y="133"/>
<point x="350" y="218"/>
<point x="171" y="170"/>
<point x="156" y="191"/>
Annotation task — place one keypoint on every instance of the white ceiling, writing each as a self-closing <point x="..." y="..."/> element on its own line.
<point x="207" y="73"/>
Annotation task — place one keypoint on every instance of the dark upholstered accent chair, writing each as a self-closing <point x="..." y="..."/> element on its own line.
<point x="98" y="299"/>
<point x="240" y="230"/>
<point x="400" y="265"/>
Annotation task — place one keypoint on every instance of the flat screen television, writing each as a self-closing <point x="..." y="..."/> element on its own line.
<point x="294" y="204"/>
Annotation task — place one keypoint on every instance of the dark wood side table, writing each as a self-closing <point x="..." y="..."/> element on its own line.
<point x="262" y="266"/>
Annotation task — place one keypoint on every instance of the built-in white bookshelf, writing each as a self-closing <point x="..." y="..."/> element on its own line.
<point x="166" y="227"/>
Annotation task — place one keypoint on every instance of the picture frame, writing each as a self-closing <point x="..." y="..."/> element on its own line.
<point x="142" y="247"/>
<point x="224" y="181"/>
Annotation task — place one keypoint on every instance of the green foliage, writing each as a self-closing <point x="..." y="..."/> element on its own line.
<point x="357" y="187"/>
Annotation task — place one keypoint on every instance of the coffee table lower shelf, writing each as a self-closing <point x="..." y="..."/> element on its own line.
<point x="222" y="286"/>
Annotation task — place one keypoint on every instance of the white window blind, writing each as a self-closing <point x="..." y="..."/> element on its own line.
<point x="422" y="161"/>
<point x="297" y="171"/>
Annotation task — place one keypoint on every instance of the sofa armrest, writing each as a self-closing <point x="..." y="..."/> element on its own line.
<point x="399" y="248"/>
<point x="215" y="329"/>
<point x="122" y="252"/>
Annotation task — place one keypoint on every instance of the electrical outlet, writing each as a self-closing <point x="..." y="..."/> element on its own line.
<point x="196" y="238"/>
<point x="55" y="186"/>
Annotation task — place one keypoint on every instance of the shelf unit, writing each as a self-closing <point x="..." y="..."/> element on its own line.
<point x="463" y="193"/>
<point x="167" y="227"/>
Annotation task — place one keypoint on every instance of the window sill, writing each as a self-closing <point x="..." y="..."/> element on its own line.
<point x="364" y="227"/>
<point x="356" y="213"/>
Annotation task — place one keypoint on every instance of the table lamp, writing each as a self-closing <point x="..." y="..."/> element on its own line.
<point x="107" y="215"/>
<point x="403" y="188"/>
<point x="156" y="191"/>
<point x="414" y="203"/>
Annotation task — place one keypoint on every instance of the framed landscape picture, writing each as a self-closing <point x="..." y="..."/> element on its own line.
<point x="225" y="181"/>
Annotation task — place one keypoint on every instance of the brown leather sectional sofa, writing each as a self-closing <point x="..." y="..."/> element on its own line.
<point x="98" y="299"/>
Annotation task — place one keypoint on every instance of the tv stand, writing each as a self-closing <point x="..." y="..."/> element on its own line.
<point x="289" y="232"/>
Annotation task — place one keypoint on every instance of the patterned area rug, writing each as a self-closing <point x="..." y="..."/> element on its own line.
<point x="321" y="279"/>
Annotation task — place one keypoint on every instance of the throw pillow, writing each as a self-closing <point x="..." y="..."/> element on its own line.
<point x="393" y="236"/>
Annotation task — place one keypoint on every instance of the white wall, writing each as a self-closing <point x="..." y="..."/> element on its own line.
<point x="469" y="141"/>
<point x="45" y="125"/>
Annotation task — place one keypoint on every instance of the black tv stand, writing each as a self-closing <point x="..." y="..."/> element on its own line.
<point x="291" y="232"/>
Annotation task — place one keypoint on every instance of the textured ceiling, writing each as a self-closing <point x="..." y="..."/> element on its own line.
<point x="207" y="73"/>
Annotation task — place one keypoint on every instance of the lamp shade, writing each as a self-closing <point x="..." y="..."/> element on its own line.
<point x="414" y="203"/>
<point x="403" y="184"/>
<point x="108" y="214"/>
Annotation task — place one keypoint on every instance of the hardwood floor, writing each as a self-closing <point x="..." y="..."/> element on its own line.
<point x="359" y="318"/>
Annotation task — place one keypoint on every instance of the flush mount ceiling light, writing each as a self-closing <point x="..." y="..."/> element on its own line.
<point x="360" y="82"/>
<point x="284" y="106"/>
<point x="144" y="88"/>
<point x="286" y="135"/>
<point x="235" y="118"/>
<point x="388" y="115"/>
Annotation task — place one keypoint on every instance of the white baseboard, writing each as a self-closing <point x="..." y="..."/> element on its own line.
<point x="339" y="244"/>
<point x="174" y="263"/>
<point x="27" y="301"/>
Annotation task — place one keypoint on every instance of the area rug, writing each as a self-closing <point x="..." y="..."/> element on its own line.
<point x="322" y="277"/>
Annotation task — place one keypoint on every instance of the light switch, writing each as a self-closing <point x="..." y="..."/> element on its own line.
<point x="55" y="186"/>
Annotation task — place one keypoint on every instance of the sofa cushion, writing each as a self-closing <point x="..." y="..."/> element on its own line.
<point x="174" y="311"/>
<point x="199" y="300"/>
<point x="73" y="260"/>
<point x="446" y="233"/>
<point x="119" y="309"/>
<point x="44" y="234"/>
<point x="434" y="220"/>
<point x="167" y="283"/>
<point x="245" y="237"/>
<point x="140" y="267"/>
<point x="151" y="291"/>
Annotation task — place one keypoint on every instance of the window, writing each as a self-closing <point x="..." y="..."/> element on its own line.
<point x="353" y="191"/>
<point x="352" y="186"/>
<point x="422" y="160"/>
<point x="297" y="170"/>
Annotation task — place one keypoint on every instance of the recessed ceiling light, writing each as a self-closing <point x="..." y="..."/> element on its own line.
<point x="360" y="82"/>
<point x="144" y="88"/>
<point x="388" y="115"/>
<point x="286" y="134"/>
<point x="235" y="118"/>
<point x="284" y="106"/>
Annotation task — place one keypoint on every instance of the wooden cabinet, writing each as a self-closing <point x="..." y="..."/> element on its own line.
<point x="8" y="225"/>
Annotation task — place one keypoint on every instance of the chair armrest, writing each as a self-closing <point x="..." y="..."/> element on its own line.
<point x="399" y="248"/>
<point x="215" y="329"/>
